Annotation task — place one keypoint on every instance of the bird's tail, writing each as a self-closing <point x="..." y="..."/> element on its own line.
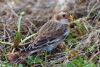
<point x="31" y="49"/>
<point x="27" y="52"/>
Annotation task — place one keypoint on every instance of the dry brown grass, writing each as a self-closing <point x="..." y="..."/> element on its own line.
<point x="37" y="12"/>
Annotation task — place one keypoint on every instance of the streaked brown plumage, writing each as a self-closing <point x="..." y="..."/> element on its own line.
<point x="54" y="30"/>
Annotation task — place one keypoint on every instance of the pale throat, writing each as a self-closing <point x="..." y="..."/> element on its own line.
<point x="64" y="21"/>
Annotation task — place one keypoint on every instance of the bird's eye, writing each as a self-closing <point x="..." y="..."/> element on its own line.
<point x="64" y="15"/>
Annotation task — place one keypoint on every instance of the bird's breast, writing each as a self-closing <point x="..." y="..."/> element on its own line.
<point x="66" y="32"/>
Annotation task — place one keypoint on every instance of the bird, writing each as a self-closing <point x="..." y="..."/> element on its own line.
<point x="51" y="34"/>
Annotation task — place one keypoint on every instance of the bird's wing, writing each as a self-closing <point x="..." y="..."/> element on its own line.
<point x="48" y="34"/>
<point x="50" y="31"/>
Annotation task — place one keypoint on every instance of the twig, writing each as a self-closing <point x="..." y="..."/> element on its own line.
<point x="27" y="38"/>
<point x="6" y="43"/>
<point x="10" y="6"/>
<point x="92" y="57"/>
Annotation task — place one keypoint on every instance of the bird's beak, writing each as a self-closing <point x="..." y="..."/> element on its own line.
<point x="70" y="18"/>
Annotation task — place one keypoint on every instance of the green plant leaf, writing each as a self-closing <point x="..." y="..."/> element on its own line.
<point x="17" y="39"/>
<point x="77" y="22"/>
<point x="77" y="62"/>
<point x="19" y="21"/>
<point x="70" y="64"/>
<point x="34" y="60"/>
<point x="18" y="36"/>
<point x="20" y="65"/>
<point x="90" y="65"/>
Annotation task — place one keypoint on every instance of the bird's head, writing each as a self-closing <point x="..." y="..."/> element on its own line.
<point x="61" y="17"/>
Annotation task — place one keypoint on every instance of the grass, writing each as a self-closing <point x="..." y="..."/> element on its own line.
<point x="77" y="60"/>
